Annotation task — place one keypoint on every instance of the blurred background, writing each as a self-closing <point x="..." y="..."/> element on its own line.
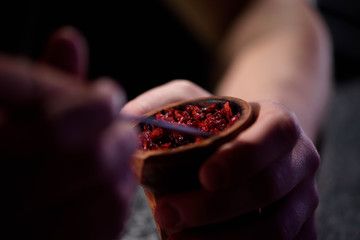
<point x="128" y="50"/>
<point x="339" y="174"/>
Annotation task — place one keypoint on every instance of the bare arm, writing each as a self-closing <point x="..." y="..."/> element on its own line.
<point x="279" y="51"/>
<point x="276" y="50"/>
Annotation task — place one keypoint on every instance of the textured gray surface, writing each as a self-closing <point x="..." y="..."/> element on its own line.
<point x="141" y="225"/>
<point x="339" y="175"/>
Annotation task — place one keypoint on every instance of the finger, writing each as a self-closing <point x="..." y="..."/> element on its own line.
<point x="101" y="214"/>
<point x="280" y="177"/>
<point x="117" y="144"/>
<point x="23" y="83"/>
<point x="28" y="133"/>
<point x="71" y="176"/>
<point x="203" y="207"/>
<point x="288" y="216"/>
<point x="77" y="121"/>
<point x="308" y="231"/>
<point x="108" y="87"/>
<point x="67" y="50"/>
<point x="173" y="91"/>
<point x="273" y="134"/>
<point x="283" y="220"/>
<point x="15" y="82"/>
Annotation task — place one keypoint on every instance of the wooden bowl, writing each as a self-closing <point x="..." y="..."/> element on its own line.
<point x="176" y="169"/>
<point x="172" y="170"/>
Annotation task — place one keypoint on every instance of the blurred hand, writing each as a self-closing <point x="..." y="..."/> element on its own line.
<point x="259" y="185"/>
<point x="64" y="157"/>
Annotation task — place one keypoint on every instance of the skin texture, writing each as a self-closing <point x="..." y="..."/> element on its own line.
<point x="65" y="158"/>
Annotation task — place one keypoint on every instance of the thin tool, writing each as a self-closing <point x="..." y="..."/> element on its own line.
<point x="166" y="125"/>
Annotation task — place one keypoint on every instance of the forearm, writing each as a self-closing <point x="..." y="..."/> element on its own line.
<point x="279" y="50"/>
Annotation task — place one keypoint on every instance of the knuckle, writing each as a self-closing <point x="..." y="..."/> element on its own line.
<point x="315" y="162"/>
<point x="285" y="123"/>
<point x="314" y="196"/>
<point x="100" y="106"/>
<point x="311" y="155"/>
<point x="107" y="88"/>
<point x="314" y="157"/>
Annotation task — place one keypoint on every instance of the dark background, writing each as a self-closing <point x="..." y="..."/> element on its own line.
<point x="139" y="43"/>
<point x="134" y="44"/>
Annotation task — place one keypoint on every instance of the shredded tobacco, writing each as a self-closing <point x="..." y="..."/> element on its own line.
<point x="213" y="119"/>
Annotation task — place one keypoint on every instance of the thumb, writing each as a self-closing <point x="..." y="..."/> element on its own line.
<point x="173" y="91"/>
<point x="67" y="50"/>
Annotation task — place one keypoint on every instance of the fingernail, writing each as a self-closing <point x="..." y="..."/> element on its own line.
<point x="168" y="217"/>
<point x="213" y="176"/>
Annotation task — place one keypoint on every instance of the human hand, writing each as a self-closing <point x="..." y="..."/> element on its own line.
<point x="65" y="158"/>
<point x="270" y="166"/>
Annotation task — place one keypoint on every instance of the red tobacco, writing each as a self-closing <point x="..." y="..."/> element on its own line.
<point x="213" y="118"/>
